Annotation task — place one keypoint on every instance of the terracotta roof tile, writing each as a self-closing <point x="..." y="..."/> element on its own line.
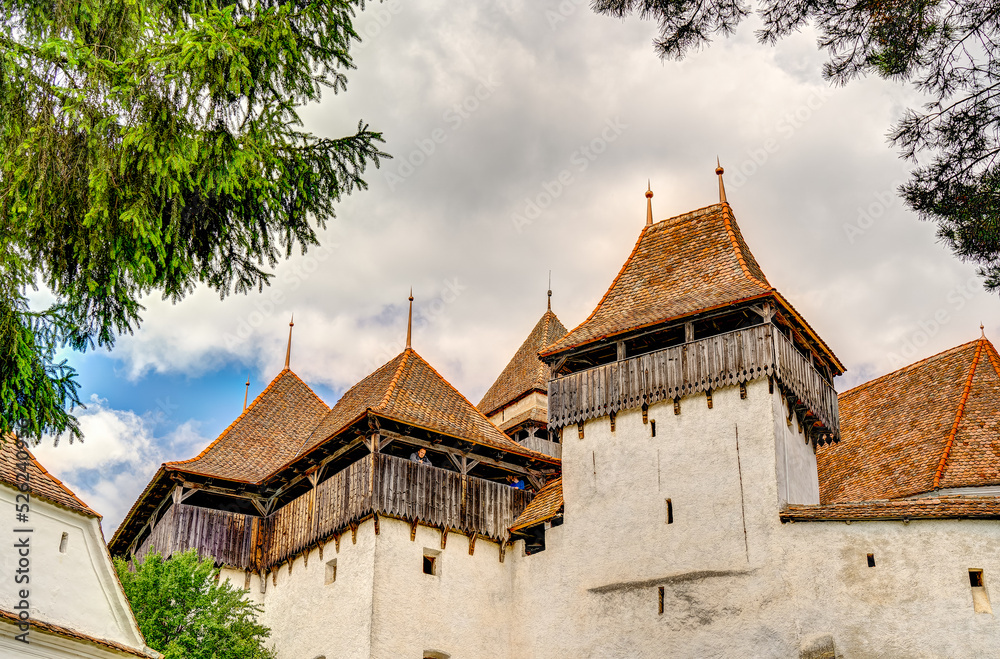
<point x="545" y="506"/>
<point x="43" y="484"/>
<point x="66" y="632"/>
<point x="680" y="266"/>
<point x="407" y="389"/>
<point x="901" y="509"/>
<point x="933" y="424"/>
<point x="525" y="372"/>
<point x="265" y="437"/>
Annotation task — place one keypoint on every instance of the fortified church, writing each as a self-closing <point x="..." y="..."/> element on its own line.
<point x="695" y="488"/>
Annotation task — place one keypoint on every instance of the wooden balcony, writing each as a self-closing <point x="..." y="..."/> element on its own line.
<point x="717" y="361"/>
<point x="376" y="485"/>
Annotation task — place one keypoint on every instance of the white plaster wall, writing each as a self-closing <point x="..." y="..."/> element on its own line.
<point x="594" y="591"/>
<point x="464" y="611"/>
<point x="795" y="459"/>
<point x="44" y="645"/>
<point x="531" y="401"/>
<point x="77" y="589"/>
<point x="309" y="618"/>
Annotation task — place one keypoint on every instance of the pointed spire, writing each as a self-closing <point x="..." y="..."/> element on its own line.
<point x="246" y="393"/>
<point x="722" y="188"/>
<point x="288" y="352"/>
<point x="409" y="321"/>
<point x="982" y="330"/>
<point x="649" y="204"/>
<point x="550" y="290"/>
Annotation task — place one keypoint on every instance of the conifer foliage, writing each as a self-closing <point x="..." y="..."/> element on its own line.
<point x="946" y="48"/>
<point x="152" y="146"/>
<point x="186" y="612"/>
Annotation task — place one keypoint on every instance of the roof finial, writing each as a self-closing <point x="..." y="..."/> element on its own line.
<point x="982" y="329"/>
<point x="288" y="352"/>
<point x="246" y="394"/>
<point x="722" y="188"/>
<point x="649" y="204"/>
<point x="550" y="290"/>
<point x="409" y="321"/>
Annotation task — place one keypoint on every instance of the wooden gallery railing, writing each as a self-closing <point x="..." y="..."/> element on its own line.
<point x="380" y="484"/>
<point x="726" y="359"/>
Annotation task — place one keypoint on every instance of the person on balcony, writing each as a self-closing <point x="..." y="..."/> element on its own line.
<point x="420" y="457"/>
<point x="515" y="482"/>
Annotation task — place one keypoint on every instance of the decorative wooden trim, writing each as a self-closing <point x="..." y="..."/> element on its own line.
<point x="472" y="543"/>
<point x="444" y="536"/>
<point x="413" y="530"/>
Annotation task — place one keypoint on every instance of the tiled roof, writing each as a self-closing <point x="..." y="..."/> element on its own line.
<point x="897" y="509"/>
<point x="407" y="389"/>
<point x="66" y="632"/>
<point x="525" y="371"/>
<point x="680" y="266"/>
<point x="688" y="264"/>
<point x="933" y="424"/>
<point x="265" y="437"/>
<point x="43" y="484"/>
<point x="546" y="505"/>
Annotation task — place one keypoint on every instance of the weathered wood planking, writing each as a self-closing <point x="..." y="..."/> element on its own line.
<point x="222" y="535"/>
<point x="400" y="489"/>
<point x="717" y="361"/>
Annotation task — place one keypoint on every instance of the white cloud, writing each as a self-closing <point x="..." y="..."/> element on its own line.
<point x="120" y="453"/>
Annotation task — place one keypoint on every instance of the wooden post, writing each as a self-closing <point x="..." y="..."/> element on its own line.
<point x="621" y="350"/>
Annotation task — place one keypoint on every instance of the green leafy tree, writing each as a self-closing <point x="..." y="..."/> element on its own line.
<point x="946" y="48"/>
<point x="153" y="146"/>
<point x="186" y="612"/>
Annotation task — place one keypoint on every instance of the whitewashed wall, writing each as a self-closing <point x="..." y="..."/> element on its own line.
<point x="75" y="589"/>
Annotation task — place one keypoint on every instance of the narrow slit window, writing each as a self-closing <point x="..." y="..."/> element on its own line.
<point x="652" y="428"/>
<point x="63" y="542"/>
<point x="980" y="598"/>
<point x="331" y="571"/>
<point x="431" y="562"/>
<point x="871" y="560"/>
<point x="661" y="600"/>
<point x="670" y="512"/>
<point x="976" y="578"/>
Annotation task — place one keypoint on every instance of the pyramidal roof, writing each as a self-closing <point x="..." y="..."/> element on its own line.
<point x="407" y="389"/>
<point x="43" y="484"/>
<point x="265" y="437"/>
<point x="525" y="372"/>
<point x="934" y="424"/>
<point x="688" y="264"/>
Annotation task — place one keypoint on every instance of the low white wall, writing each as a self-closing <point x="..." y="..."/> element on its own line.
<point x="76" y="588"/>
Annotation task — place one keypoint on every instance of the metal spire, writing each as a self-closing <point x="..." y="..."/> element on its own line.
<point x="288" y="352"/>
<point x="982" y="330"/>
<point x="409" y="321"/>
<point x="649" y="204"/>
<point x="550" y="290"/>
<point x="722" y="188"/>
<point x="246" y="393"/>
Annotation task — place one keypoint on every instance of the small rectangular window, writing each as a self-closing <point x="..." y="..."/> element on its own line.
<point x="670" y="512"/>
<point x="980" y="598"/>
<point x="661" y="600"/>
<point x="431" y="562"/>
<point x="871" y="560"/>
<point x="652" y="428"/>
<point x="331" y="571"/>
<point x="63" y="542"/>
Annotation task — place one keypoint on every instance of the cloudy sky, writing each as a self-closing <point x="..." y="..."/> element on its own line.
<point x="524" y="132"/>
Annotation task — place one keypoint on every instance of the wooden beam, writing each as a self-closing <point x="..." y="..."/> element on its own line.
<point x="350" y="446"/>
<point x="500" y="464"/>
